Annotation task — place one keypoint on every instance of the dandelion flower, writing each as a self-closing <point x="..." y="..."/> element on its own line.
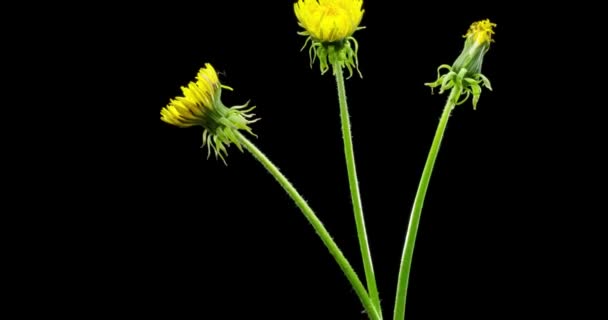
<point x="465" y="73"/>
<point x="329" y="20"/>
<point x="201" y="105"/>
<point x="329" y="25"/>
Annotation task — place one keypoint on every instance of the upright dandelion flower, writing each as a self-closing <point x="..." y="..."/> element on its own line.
<point x="466" y="70"/>
<point x="201" y="105"/>
<point x="329" y="25"/>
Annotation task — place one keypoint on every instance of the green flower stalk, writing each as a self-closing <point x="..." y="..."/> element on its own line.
<point x="329" y="26"/>
<point x="463" y="76"/>
<point x="201" y="106"/>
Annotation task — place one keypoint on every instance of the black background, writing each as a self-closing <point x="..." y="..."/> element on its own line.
<point x="172" y="234"/>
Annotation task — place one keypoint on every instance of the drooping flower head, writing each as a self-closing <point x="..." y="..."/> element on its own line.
<point x="201" y="105"/>
<point x="465" y="73"/>
<point x="329" y="25"/>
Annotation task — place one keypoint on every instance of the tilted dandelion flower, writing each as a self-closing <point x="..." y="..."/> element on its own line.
<point x="201" y="105"/>
<point x="466" y="70"/>
<point x="329" y="25"/>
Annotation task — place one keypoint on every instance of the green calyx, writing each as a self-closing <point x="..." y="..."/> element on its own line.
<point x="222" y="124"/>
<point x="339" y="54"/>
<point x="471" y="57"/>
<point x="463" y="79"/>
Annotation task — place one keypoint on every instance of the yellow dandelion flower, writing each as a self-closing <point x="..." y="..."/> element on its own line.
<point x="329" y="20"/>
<point x="481" y="32"/>
<point x="329" y="25"/>
<point x="465" y="73"/>
<point x="201" y="105"/>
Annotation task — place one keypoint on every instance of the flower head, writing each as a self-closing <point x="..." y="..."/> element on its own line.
<point x="477" y="43"/>
<point x="329" y="25"/>
<point x="201" y="105"/>
<point x="329" y="20"/>
<point x="465" y="73"/>
<point x="481" y="32"/>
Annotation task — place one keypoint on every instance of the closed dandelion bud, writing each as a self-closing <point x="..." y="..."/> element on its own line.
<point x="329" y="26"/>
<point x="201" y="105"/>
<point x="465" y="73"/>
<point x="476" y="45"/>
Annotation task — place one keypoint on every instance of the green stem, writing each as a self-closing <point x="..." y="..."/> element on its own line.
<point x="347" y="269"/>
<point x="354" y="190"/>
<point x="412" y="230"/>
